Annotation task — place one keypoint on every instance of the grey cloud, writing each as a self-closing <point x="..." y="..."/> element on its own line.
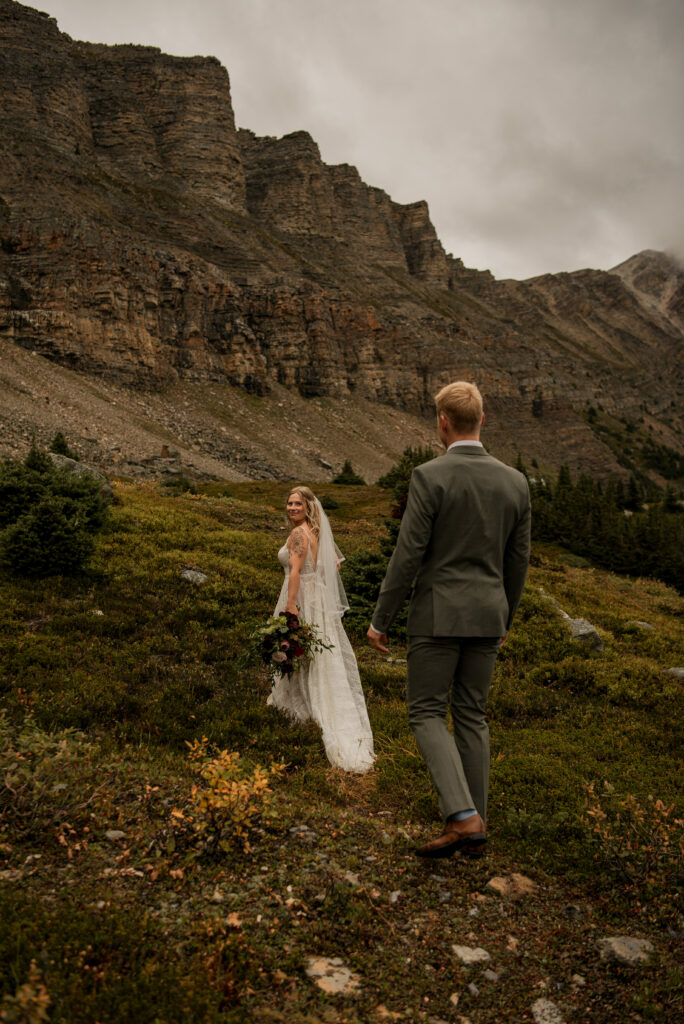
<point x="545" y="135"/>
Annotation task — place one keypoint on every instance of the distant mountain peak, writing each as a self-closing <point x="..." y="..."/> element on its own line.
<point x="658" y="279"/>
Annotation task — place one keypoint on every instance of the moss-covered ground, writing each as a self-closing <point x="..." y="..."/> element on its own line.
<point x="111" y="912"/>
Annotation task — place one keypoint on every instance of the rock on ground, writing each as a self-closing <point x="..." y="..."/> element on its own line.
<point x="513" y="886"/>
<point x="193" y="576"/>
<point x="585" y="634"/>
<point x="470" y="955"/>
<point x="582" y="630"/>
<point x="81" y="469"/>
<point x="331" y="975"/>
<point x="546" y="1012"/>
<point x="625" y="950"/>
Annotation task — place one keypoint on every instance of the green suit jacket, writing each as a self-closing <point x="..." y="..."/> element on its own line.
<point x="464" y="546"/>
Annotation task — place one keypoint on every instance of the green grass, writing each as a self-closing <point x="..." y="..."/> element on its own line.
<point x="145" y="928"/>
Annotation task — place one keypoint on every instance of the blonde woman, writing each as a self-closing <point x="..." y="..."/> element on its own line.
<point x="328" y="689"/>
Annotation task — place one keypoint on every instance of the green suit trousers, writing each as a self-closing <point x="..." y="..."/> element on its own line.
<point x="455" y="671"/>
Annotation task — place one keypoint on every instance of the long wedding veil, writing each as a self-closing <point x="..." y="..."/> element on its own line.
<point x="328" y="564"/>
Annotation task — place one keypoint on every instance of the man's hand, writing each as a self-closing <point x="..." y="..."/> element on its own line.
<point x="503" y="640"/>
<point x="377" y="640"/>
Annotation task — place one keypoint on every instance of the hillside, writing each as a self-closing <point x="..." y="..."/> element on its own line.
<point x="115" y="909"/>
<point x="147" y="241"/>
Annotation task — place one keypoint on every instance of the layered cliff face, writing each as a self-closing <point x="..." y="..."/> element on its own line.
<point x="144" y="238"/>
<point x="159" y="119"/>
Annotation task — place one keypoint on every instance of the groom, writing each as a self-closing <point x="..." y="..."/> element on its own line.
<point x="464" y="545"/>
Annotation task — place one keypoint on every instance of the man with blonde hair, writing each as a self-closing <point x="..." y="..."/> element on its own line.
<point x="461" y="403"/>
<point x="464" y="547"/>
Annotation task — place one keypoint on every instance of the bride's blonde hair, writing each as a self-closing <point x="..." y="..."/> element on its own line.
<point x="313" y="519"/>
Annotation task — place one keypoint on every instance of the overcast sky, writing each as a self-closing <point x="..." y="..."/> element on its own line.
<point x="546" y="135"/>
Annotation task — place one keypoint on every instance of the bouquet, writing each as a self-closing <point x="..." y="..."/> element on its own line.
<point x="282" y="643"/>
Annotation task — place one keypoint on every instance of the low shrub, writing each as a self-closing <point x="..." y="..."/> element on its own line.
<point x="639" y="843"/>
<point x="102" y="964"/>
<point x="577" y="674"/>
<point x="329" y="503"/>
<point x="226" y="806"/>
<point x="362" y="573"/>
<point x="43" y="782"/>
<point x="630" y="682"/>
<point x="178" y="483"/>
<point x="513" y="699"/>
<point x="30" y="1003"/>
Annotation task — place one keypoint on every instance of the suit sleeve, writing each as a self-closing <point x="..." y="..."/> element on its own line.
<point x="517" y="558"/>
<point x="414" y="536"/>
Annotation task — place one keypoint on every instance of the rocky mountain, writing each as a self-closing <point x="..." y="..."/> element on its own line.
<point x="148" y="243"/>
<point x="658" y="282"/>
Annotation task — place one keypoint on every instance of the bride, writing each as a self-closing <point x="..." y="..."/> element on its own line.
<point x="326" y="689"/>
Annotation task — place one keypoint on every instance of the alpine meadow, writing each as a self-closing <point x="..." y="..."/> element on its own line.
<point x="174" y="850"/>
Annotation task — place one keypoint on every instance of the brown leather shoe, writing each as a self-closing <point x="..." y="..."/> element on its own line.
<point x="469" y="835"/>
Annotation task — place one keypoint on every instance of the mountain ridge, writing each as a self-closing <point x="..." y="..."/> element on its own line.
<point x="145" y="239"/>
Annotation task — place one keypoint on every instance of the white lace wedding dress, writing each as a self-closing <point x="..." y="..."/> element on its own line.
<point x="328" y="689"/>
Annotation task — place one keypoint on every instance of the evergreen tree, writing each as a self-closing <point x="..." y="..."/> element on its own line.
<point x="671" y="500"/>
<point x="59" y="446"/>
<point x="400" y="473"/>
<point x="590" y="520"/>
<point x="38" y="461"/>
<point x="619" y="491"/>
<point x="48" y="517"/>
<point x="634" y="499"/>
<point x="347" y="475"/>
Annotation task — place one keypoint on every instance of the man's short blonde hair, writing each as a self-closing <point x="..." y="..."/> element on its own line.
<point x="461" y="403"/>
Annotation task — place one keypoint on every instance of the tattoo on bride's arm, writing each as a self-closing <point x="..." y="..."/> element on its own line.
<point x="298" y="542"/>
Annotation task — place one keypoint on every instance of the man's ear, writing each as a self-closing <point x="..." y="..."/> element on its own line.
<point x="482" y="421"/>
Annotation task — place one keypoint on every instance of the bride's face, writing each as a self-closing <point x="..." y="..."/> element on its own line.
<point x="296" y="508"/>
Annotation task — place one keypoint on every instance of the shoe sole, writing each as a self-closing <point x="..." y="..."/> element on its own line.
<point x="472" y="845"/>
<point x="475" y="848"/>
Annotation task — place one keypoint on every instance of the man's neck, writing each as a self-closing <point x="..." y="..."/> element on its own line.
<point x="463" y="438"/>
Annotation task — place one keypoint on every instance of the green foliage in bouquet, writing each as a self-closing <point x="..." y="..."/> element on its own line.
<point x="283" y="643"/>
<point x="48" y="517"/>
